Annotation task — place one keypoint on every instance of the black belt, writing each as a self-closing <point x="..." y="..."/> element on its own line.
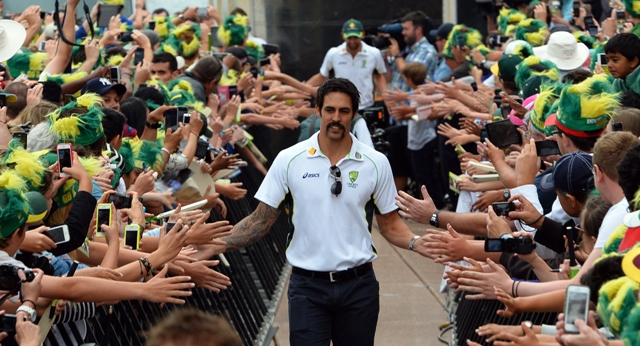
<point x="335" y="276"/>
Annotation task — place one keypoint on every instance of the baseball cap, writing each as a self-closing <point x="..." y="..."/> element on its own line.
<point x="532" y="86"/>
<point x="239" y="52"/>
<point x="352" y="27"/>
<point x="101" y="86"/>
<point x="38" y="206"/>
<point x="442" y="32"/>
<point x="506" y="67"/>
<point x="10" y="97"/>
<point x="572" y="174"/>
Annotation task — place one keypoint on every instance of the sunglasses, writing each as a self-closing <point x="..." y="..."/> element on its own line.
<point x="336" y="187"/>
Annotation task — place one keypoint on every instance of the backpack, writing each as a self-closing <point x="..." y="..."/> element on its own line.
<point x="311" y="125"/>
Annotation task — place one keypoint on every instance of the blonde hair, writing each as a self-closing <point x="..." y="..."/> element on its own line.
<point x="36" y="113"/>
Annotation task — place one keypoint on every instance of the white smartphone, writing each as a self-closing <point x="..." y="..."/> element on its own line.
<point x="132" y="236"/>
<point x="104" y="218"/>
<point x="576" y="306"/>
<point x="481" y="178"/>
<point x="114" y="74"/>
<point x="41" y="46"/>
<point x="186" y="118"/>
<point x="65" y="157"/>
<point x="59" y="234"/>
<point x="602" y="59"/>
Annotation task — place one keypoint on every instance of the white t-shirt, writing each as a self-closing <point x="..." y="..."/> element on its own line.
<point x="329" y="232"/>
<point x="358" y="69"/>
<point x="611" y="221"/>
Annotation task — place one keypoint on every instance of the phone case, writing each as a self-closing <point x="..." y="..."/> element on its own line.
<point x="104" y="206"/>
<point x="62" y="174"/>
<point x="131" y="228"/>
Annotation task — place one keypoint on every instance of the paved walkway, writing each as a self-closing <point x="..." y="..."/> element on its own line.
<point x="411" y="307"/>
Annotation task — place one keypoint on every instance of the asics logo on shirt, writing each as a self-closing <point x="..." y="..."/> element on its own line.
<point x="311" y="175"/>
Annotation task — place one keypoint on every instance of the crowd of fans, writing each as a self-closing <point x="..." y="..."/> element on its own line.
<point x="528" y="136"/>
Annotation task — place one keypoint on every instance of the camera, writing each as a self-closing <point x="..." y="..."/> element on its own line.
<point x="35" y="260"/>
<point x="507" y="243"/>
<point x="9" y="276"/>
<point x="503" y="208"/>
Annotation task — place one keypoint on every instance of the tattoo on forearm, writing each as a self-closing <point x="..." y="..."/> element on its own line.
<point x="252" y="227"/>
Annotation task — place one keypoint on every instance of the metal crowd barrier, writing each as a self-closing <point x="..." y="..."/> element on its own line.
<point x="467" y="315"/>
<point x="258" y="274"/>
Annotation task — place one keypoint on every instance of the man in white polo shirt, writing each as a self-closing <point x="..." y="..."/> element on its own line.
<point x="330" y="185"/>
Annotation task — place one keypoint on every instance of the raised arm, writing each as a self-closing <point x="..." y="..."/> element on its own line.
<point x="252" y="227"/>
<point x="63" y="55"/>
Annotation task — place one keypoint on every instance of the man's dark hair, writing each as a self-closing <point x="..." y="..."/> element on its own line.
<point x="583" y="144"/>
<point x="629" y="174"/>
<point x="576" y="76"/>
<point x="112" y="123"/>
<point x="630" y="99"/>
<point x="160" y="11"/>
<point x="627" y="44"/>
<point x="51" y="91"/>
<point x="136" y="112"/>
<point x="113" y="51"/>
<point x="602" y="271"/>
<point x="510" y="85"/>
<point x="419" y="19"/>
<point x="207" y="70"/>
<point x="166" y="57"/>
<point x="150" y="94"/>
<point x="239" y="11"/>
<point x="339" y="85"/>
<point x="20" y="90"/>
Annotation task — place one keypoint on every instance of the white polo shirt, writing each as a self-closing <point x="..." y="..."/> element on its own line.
<point x="358" y="69"/>
<point x="329" y="232"/>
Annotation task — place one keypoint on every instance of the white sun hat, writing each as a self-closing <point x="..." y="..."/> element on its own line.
<point x="564" y="51"/>
<point x="12" y="36"/>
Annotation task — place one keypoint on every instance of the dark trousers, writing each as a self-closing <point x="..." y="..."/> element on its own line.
<point x="344" y="312"/>
<point x="425" y="172"/>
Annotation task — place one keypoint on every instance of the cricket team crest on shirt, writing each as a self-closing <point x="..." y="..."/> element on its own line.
<point x="353" y="176"/>
<point x="364" y="63"/>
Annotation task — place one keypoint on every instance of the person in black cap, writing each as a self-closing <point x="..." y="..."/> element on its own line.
<point x="111" y="93"/>
<point x="440" y="37"/>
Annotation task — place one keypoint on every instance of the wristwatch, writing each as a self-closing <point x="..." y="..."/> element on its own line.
<point x="434" y="219"/>
<point x="506" y="194"/>
<point x="31" y="312"/>
<point x="153" y="126"/>
<point x="413" y="241"/>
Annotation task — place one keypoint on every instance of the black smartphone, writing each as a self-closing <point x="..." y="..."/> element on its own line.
<point x="170" y="118"/>
<point x="233" y="90"/>
<point x="461" y="41"/>
<point x="126" y="37"/>
<point x="215" y="41"/>
<point x="593" y="30"/>
<point x="8" y="324"/>
<point x="503" y="208"/>
<point x="588" y="20"/>
<point x="105" y="12"/>
<point x="506" y="110"/>
<point x="184" y="115"/>
<point x="264" y="62"/>
<point x="483" y="135"/>
<point x="22" y="137"/>
<point x="152" y="25"/>
<point x="547" y="148"/>
<point x="114" y="74"/>
<point x="503" y="39"/>
<point x="270" y="49"/>
<point x="576" y="9"/>
<point x="621" y="15"/>
<point x="139" y="56"/>
<point x="121" y="201"/>
<point x="254" y="72"/>
<point x="3" y="101"/>
<point x="43" y="14"/>
<point x="614" y="127"/>
<point x="503" y="133"/>
<point x="170" y="226"/>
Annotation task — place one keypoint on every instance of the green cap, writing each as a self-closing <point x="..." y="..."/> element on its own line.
<point x="38" y="206"/>
<point x="532" y="86"/>
<point x="352" y="27"/>
<point x="507" y="67"/>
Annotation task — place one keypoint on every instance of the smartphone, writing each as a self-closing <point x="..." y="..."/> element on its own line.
<point x="264" y="62"/>
<point x="114" y="74"/>
<point x="602" y="59"/>
<point x="506" y="110"/>
<point x="547" y="148"/>
<point x="202" y="11"/>
<point x="138" y="57"/>
<point x="503" y="133"/>
<point x="186" y="118"/>
<point x="65" y="158"/>
<point x="104" y="217"/>
<point x="242" y="164"/>
<point x="576" y="9"/>
<point x="170" y="118"/>
<point x="621" y="15"/>
<point x="215" y="41"/>
<point x="126" y="37"/>
<point x="223" y="94"/>
<point x="41" y="46"/>
<point x="132" y="236"/>
<point x="461" y="41"/>
<point x="3" y="101"/>
<point x="503" y="208"/>
<point x="588" y="20"/>
<point x="270" y="49"/>
<point x="233" y="90"/>
<point x="593" y="30"/>
<point x="59" y="234"/>
<point x="22" y="136"/>
<point x="576" y="306"/>
<point x="8" y="324"/>
<point x="105" y="12"/>
<point x="68" y="98"/>
<point x="483" y="135"/>
<point x="43" y="15"/>
<point x="121" y="201"/>
<point x="616" y="127"/>
<point x="254" y="72"/>
<point x="170" y="226"/>
<point x="503" y="39"/>
<point x="152" y="25"/>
